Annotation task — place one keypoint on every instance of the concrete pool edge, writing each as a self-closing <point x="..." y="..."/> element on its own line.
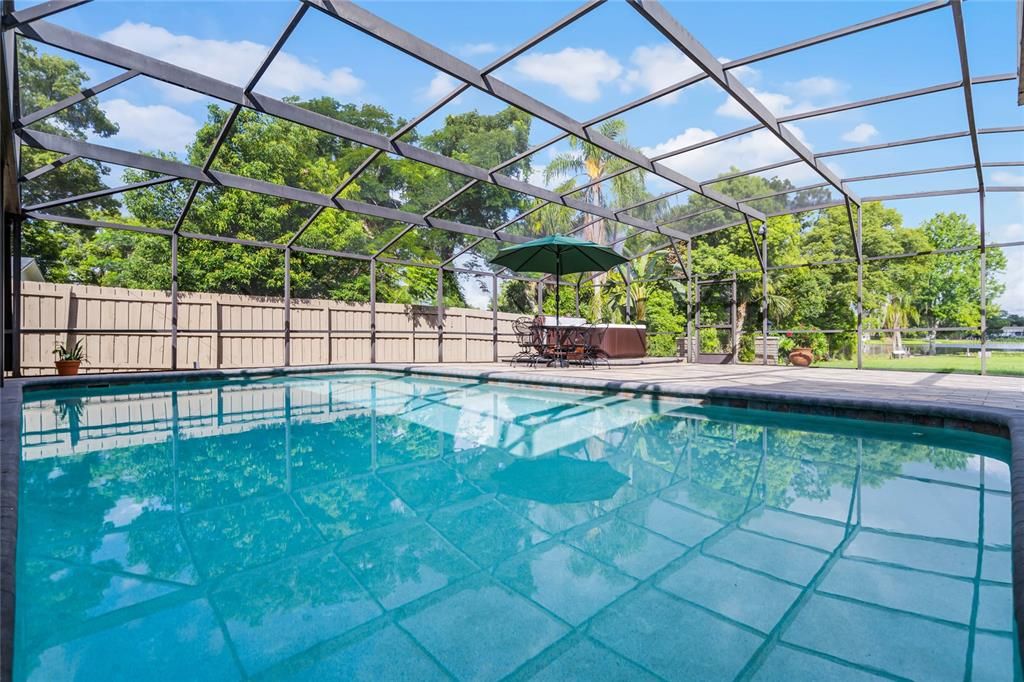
<point x="1003" y="422"/>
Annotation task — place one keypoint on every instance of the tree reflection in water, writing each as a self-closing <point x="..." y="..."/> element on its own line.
<point x="303" y="508"/>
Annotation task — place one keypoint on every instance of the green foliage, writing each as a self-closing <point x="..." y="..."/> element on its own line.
<point x="931" y="291"/>
<point x="76" y="352"/>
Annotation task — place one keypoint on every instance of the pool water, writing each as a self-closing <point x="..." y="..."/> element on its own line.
<point x="373" y="527"/>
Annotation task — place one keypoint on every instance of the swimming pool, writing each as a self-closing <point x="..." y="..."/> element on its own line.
<point x="373" y="526"/>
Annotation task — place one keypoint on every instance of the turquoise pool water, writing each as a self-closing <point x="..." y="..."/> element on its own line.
<point x="373" y="527"/>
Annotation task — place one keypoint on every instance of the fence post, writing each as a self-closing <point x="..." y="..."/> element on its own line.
<point x="65" y="323"/>
<point x="215" y="353"/>
<point x="327" y="334"/>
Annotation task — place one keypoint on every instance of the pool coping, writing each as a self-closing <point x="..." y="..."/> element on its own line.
<point x="998" y="421"/>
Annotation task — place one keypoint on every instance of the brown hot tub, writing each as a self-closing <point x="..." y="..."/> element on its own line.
<point x="620" y="340"/>
<point x="616" y="340"/>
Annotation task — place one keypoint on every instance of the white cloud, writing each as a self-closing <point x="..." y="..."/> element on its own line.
<point x="578" y="72"/>
<point x="144" y="124"/>
<point x="778" y="103"/>
<point x="1013" y="232"/>
<point x="1007" y="178"/>
<point x="476" y="49"/>
<point x="233" y="61"/>
<point x="440" y="85"/>
<point x="753" y="150"/>
<point x="657" y="67"/>
<point x="796" y="97"/>
<point x="862" y="132"/>
<point x="816" y="86"/>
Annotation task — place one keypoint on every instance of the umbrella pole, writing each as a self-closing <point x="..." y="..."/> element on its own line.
<point x="558" y="308"/>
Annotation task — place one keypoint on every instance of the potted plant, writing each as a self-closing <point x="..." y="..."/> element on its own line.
<point x="801" y="356"/>
<point x="69" y="359"/>
<point x="801" y="351"/>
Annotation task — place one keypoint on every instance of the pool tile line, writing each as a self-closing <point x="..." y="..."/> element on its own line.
<point x="749" y="569"/>
<point x="926" y="571"/>
<point x="892" y="609"/>
<point x="884" y="674"/>
<point x="385" y="613"/>
<point x="540" y="662"/>
<point x="775" y="636"/>
<point x="670" y="503"/>
<point x="107" y="570"/>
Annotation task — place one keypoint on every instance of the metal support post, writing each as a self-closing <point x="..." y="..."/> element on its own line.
<point x="764" y="293"/>
<point x="440" y="314"/>
<point x="860" y="289"/>
<point x="174" y="301"/>
<point x="494" y="317"/>
<point x="732" y="323"/>
<point x="16" y="297"/>
<point x="982" y="284"/>
<point x="373" y="310"/>
<point x="287" y="307"/>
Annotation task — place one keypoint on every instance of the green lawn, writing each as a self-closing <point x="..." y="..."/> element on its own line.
<point x="1010" y="364"/>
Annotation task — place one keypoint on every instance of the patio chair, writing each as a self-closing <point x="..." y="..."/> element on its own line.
<point x="584" y="346"/>
<point x="526" y="338"/>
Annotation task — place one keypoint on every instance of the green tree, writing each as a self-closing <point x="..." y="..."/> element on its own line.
<point x="46" y="79"/>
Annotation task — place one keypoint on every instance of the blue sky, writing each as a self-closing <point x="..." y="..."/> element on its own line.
<point x="605" y="59"/>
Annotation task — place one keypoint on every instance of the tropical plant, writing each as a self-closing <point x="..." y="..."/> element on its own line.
<point x="899" y="313"/>
<point x="589" y="163"/>
<point x="75" y="353"/>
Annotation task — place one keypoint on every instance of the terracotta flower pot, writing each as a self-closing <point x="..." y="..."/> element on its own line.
<point x="67" y="368"/>
<point x="801" y="357"/>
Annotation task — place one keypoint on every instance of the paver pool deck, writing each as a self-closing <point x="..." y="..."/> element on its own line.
<point x="908" y="387"/>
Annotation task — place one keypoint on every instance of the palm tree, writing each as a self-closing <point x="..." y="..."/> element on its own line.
<point x="898" y="313"/>
<point x="588" y="163"/>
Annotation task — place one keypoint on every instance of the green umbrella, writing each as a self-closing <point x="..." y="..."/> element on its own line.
<point x="558" y="255"/>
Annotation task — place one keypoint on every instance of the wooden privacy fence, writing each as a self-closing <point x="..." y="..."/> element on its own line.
<point x="129" y="330"/>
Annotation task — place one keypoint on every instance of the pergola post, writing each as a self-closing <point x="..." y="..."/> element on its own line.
<point x="373" y="310"/>
<point x="287" y="306"/>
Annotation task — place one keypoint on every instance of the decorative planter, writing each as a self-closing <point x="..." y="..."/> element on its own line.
<point x="67" y="368"/>
<point x="801" y="357"/>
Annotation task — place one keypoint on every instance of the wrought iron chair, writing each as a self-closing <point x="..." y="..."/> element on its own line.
<point x="583" y="346"/>
<point x="592" y="351"/>
<point x="525" y="333"/>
